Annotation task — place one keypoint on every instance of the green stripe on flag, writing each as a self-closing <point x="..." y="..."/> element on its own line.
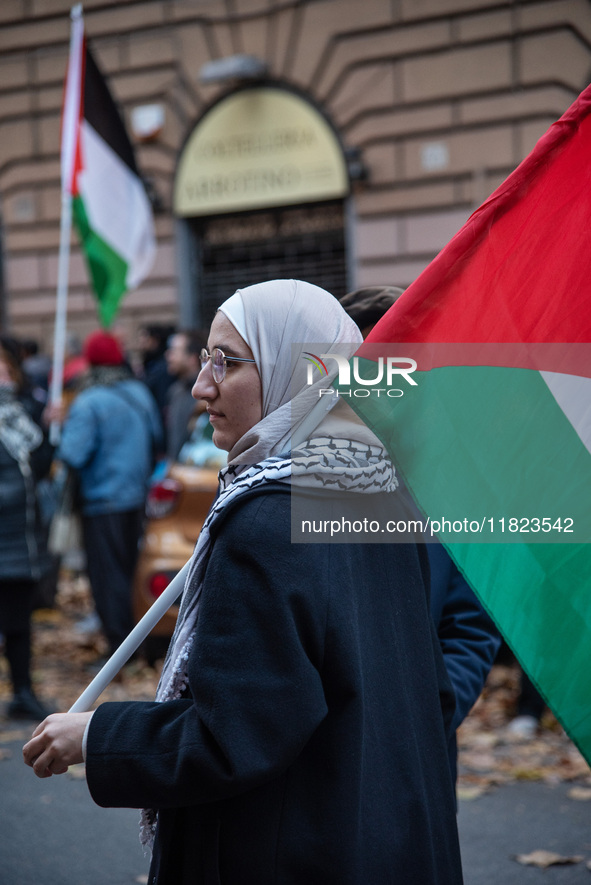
<point x="492" y="443"/>
<point x="107" y="269"/>
<point x="539" y="596"/>
<point x="463" y="440"/>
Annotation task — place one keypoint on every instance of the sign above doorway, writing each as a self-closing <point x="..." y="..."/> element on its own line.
<point x="259" y="147"/>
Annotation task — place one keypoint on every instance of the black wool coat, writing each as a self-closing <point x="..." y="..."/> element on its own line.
<point x="312" y="747"/>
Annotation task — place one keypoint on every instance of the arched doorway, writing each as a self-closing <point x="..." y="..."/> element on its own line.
<point x="261" y="192"/>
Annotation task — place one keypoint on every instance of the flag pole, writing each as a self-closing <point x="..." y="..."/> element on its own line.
<point x="159" y="608"/>
<point x="131" y="643"/>
<point x="59" y="335"/>
<point x="69" y="142"/>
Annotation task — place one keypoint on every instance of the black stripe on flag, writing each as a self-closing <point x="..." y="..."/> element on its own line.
<point x="101" y="112"/>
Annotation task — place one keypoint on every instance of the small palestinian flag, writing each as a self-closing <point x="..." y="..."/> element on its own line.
<point x="494" y="439"/>
<point x="109" y="202"/>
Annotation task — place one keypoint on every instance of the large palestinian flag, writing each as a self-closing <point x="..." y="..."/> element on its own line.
<point x="110" y="207"/>
<point x="495" y="437"/>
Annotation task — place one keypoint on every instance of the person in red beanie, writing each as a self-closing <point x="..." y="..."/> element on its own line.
<point x="109" y="438"/>
<point x="102" y="349"/>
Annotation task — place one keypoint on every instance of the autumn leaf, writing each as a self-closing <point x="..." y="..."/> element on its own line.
<point x="582" y="794"/>
<point x="543" y="859"/>
<point x="78" y="771"/>
<point x="8" y="737"/>
<point x="469" y="793"/>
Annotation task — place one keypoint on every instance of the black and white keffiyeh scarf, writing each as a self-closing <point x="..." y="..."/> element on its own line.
<point x="174" y="677"/>
<point x="317" y="463"/>
<point x="18" y="432"/>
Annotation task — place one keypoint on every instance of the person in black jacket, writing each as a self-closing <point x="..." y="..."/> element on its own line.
<point x="25" y="457"/>
<point x="299" y="736"/>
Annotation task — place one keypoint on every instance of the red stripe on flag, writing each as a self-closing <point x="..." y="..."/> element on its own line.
<point x="519" y="270"/>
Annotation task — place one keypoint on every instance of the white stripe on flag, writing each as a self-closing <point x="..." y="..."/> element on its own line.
<point x="116" y="205"/>
<point x="573" y="395"/>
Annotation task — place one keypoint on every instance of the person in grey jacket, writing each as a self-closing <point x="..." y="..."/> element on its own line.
<point x="108" y="439"/>
<point x="25" y="457"/>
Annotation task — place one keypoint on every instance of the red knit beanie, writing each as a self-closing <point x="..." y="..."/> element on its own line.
<point x="103" y="349"/>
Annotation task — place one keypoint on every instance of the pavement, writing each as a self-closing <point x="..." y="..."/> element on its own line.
<point x="51" y="832"/>
<point x="521" y="818"/>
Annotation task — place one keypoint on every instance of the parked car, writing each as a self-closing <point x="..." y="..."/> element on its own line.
<point x="177" y="505"/>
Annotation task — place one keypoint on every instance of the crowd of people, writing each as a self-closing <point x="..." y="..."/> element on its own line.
<point x="117" y="416"/>
<point x="304" y="724"/>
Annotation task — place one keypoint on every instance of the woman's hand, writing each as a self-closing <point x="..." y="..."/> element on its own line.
<point x="56" y="743"/>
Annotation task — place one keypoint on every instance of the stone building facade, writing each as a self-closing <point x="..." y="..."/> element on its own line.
<point x="432" y="103"/>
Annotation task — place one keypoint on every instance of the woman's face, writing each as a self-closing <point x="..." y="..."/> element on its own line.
<point x="236" y="404"/>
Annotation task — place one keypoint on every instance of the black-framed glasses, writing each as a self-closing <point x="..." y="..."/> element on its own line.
<point x="219" y="362"/>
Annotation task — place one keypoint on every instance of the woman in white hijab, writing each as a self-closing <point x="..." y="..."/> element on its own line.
<point x="299" y="733"/>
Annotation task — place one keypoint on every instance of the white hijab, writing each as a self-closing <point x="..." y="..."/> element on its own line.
<point x="281" y="321"/>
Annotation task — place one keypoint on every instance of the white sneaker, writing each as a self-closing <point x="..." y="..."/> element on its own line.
<point x="523" y="727"/>
<point x="90" y="624"/>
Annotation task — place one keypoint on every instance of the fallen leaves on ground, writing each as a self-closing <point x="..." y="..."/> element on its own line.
<point x="581" y="794"/>
<point x="13" y="734"/>
<point x="61" y="657"/>
<point x="489" y="756"/>
<point x="544" y="859"/>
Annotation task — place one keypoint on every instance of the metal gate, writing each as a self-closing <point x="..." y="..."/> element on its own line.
<point x="234" y="251"/>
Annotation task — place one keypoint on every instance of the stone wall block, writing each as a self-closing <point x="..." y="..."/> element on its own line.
<point x="51" y="65"/>
<point x="22" y="273"/>
<point x="417" y="9"/>
<point x="399" y="122"/>
<point x="147" y="49"/>
<point x="513" y="105"/>
<point x="24" y="37"/>
<point x="433" y="231"/>
<point x="559" y="56"/>
<point x="16" y="140"/>
<point x="380" y="160"/>
<point x="483" y="148"/>
<point x="390" y="43"/>
<point x="552" y="13"/>
<point x="485" y="26"/>
<point x="377" y="238"/>
<point x="457" y="72"/>
<point x="13" y="72"/>
<point x="11" y="10"/>
<point x="49" y="128"/>
<point x="124" y="18"/>
<point x="391" y="273"/>
<point x="375" y="80"/>
<point x="403" y="199"/>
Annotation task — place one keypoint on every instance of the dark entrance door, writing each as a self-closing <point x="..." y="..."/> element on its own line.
<point x="234" y="251"/>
